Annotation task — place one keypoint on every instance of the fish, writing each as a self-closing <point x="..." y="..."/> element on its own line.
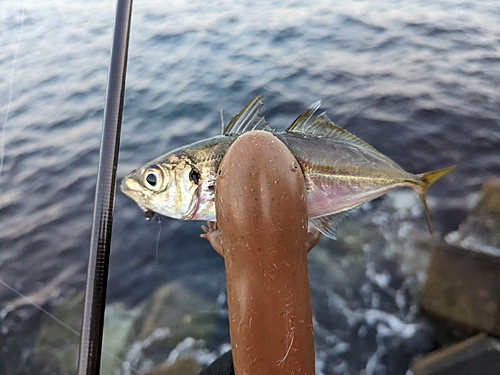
<point x="341" y="171"/>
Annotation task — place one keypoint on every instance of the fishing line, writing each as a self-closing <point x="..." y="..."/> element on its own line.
<point x="55" y="318"/>
<point x="158" y="220"/>
<point x="4" y="126"/>
<point x="2" y="157"/>
<point x="39" y="307"/>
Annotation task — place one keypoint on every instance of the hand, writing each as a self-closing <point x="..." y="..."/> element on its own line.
<point x="212" y="235"/>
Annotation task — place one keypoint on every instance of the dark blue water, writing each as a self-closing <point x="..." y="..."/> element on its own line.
<point x="419" y="80"/>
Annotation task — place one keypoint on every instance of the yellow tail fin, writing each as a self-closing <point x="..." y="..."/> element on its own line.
<point x="428" y="179"/>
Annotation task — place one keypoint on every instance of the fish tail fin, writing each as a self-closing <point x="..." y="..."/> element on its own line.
<point x="427" y="180"/>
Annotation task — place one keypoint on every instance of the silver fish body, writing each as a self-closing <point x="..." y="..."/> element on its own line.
<point x="341" y="171"/>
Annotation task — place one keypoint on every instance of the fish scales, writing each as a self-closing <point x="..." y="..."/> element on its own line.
<point x="341" y="177"/>
<point x="341" y="171"/>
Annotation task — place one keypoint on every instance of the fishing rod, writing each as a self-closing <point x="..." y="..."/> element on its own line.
<point x="97" y="275"/>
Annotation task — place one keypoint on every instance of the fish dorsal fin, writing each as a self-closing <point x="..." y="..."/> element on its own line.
<point x="321" y="126"/>
<point x="247" y="119"/>
<point x="301" y="123"/>
<point x="327" y="225"/>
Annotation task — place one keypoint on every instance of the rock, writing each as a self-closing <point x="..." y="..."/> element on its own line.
<point x="119" y="331"/>
<point x="481" y="229"/>
<point x="185" y="359"/>
<point x="186" y="366"/>
<point x="463" y="288"/>
<point x="22" y="347"/>
<point x="478" y="355"/>
<point x="488" y="206"/>
<point x="157" y="329"/>
<point x="463" y="277"/>
<point x="184" y="313"/>
<point x="57" y="344"/>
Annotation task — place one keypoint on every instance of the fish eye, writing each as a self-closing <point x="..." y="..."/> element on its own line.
<point x="153" y="178"/>
<point x="194" y="176"/>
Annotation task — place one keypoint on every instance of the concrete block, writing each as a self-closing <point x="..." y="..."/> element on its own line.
<point x="479" y="355"/>
<point x="463" y="288"/>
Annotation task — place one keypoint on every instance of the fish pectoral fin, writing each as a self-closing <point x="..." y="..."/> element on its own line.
<point x="327" y="225"/>
<point x="248" y="119"/>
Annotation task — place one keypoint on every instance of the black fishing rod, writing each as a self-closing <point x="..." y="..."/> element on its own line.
<point x="100" y="242"/>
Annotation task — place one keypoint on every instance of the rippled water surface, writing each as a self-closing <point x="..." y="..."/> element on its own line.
<point x="419" y="80"/>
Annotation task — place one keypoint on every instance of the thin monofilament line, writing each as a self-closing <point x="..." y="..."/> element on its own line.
<point x="55" y="318"/>
<point x="158" y="219"/>
<point x="2" y="156"/>
<point x="4" y="126"/>
<point x="39" y="308"/>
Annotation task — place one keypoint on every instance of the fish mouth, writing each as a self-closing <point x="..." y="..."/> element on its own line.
<point x="127" y="187"/>
<point x="148" y="214"/>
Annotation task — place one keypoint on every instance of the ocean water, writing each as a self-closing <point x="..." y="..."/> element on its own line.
<point x="418" y="80"/>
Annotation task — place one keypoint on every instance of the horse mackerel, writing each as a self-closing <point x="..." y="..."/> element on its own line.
<point x="341" y="171"/>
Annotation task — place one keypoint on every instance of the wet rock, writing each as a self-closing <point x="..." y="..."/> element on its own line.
<point x="463" y="288"/>
<point x="20" y="322"/>
<point x="119" y="331"/>
<point x="58" y="341"/>
<point x="57" y="344"/>
<point x="477" y="355"/>
<point x="186" y="366"/>
<point x="489" y="205"/>
<point x="463" y="278"/>
<point x="158" y="331"/>
<point x="186" y="358"/>
<point x="481" y="229"/>
<point x="183" y="312"/>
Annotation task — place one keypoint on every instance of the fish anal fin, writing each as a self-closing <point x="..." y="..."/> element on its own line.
<point x="247" y="119"/>
<point x="428" y="179"/>
<point x="327" y="225"/>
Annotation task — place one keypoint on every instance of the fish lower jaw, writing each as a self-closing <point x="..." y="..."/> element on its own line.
<point x="148" y="214"/>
